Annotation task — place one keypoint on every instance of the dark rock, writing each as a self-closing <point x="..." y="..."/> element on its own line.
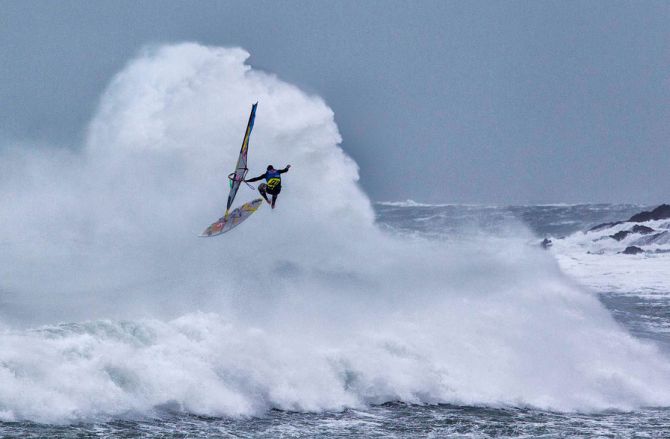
<point x="651" y="239"/>
<point x="620" y="235"/>
<point x="661" y="212"/>
<point x="604" y="226"/>
<point x="632" y="250"/>
<point x="642" y="230"/>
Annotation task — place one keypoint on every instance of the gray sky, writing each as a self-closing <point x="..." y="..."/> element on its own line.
<point x="503" y="102"/>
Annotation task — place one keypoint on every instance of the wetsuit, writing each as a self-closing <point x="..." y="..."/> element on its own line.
<point x="272" y="179"/>
<point x="272" y="184"/>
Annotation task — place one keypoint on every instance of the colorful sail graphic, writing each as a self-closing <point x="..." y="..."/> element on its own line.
<point x="237" y="177"/>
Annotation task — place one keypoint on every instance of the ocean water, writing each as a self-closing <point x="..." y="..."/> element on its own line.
<point x="328" y="316"/>
<point x="645" y="316"/>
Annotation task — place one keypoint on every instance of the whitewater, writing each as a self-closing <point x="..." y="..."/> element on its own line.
<point x="112" y="308"/>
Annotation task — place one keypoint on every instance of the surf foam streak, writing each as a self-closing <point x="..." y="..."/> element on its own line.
<point x="308" y="307"/>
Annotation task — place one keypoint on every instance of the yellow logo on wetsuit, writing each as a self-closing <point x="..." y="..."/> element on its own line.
<point x="273" y="182"/>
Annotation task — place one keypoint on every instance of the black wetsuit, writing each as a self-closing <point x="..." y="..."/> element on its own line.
<point x="273" y="180"/>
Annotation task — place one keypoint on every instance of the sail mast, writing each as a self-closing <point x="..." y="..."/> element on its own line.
<point x="241" y="169"/>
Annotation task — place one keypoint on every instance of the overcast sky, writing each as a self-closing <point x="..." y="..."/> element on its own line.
<point x="489" y="102"/>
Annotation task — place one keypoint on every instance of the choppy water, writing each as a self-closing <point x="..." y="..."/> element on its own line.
<point x="554" y="220"/>
<point x="645" y="316"/>
<point x="392" y="420"/>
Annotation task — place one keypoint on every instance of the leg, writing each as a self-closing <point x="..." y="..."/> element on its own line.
<point x="274" y="192"/>
<point x="261" y="189"/>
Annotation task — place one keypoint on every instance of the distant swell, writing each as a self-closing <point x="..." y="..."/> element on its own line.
<point x="308" y="307"/>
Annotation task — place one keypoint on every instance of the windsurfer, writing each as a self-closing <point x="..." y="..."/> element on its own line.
<point x="272" y="183"/>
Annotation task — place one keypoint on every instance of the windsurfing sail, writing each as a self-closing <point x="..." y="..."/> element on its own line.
<point x="237" y="177"/>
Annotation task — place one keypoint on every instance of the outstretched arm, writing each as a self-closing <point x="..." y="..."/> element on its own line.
<point x="260" y="177"/>
<point x="281" y="171"/>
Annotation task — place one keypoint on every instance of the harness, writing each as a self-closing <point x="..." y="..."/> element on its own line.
<point x="273" y="179"/>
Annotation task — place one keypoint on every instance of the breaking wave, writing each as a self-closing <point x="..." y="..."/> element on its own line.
<point x="308" y="307"/>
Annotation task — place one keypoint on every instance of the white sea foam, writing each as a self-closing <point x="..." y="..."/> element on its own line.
<point x="307" y="307"/>
<point x="596" y="259"/>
